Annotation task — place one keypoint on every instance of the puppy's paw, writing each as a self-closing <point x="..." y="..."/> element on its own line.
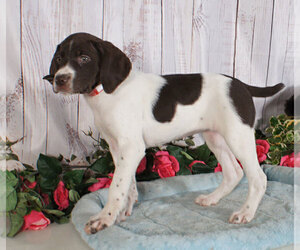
<point x="206" y="200"/>
<point x="241" y="217"/>
<point x="98" y="223"/>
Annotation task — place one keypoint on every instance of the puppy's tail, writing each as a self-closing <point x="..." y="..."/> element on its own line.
<point x="264" y="92"/>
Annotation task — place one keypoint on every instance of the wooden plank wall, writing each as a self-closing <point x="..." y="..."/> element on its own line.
<point x="250" y="40"/>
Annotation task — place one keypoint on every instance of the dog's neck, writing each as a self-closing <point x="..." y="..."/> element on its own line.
<point x="96" y="91"/>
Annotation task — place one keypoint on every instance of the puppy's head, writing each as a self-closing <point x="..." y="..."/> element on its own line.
<point x="82" y="61"/>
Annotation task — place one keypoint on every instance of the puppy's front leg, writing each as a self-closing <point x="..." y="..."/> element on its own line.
<point x="126" y="157"/>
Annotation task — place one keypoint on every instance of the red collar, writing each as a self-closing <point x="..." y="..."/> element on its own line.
<point x="97" y="90"/>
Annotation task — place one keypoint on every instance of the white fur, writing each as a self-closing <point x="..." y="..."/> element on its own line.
<point x="65" y="70"/>
<point x="125" y="120"/>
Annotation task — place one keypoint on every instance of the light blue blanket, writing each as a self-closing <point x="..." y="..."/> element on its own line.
<point x="166" y="216"/>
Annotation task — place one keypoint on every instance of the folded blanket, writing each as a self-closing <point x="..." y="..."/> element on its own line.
<point x="166" y="216"/>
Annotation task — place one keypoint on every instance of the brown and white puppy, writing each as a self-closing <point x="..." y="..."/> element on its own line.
<point x="137" y="110"/>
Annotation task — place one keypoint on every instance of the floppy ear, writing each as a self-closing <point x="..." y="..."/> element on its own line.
<point x="114" y="65"/>
<point x="53" y="68"/>
<point x="49" y="78"/>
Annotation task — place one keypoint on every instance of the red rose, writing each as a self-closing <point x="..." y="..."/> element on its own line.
<point x="290" y="160"/>
<point x="46" y="199"/>
<point x="165" y="165"/>
<point x="35" y="221"/>
<point x="218" y="168"/>
<point x="262" y="148"/>
<point x="142" y="166"/>
<point x="102" y="183"/>
<point x="194" y="162"/>
<point x="61" y="196"/>
<point x="27" y="184"/>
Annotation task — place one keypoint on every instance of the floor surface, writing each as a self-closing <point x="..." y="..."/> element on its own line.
<point x="58" y="237"/>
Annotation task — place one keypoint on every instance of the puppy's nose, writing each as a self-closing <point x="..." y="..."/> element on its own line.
<point x="61" y="80"/>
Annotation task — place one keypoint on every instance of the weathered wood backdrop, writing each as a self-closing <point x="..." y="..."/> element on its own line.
<point x="250" y="40"/>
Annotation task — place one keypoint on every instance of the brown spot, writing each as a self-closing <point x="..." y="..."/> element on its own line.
<point x="117" y="199"/>
<point x="117" y="185"/>
<point x="104" y="226"/>
<point x="247" y="207"/>
<point x="109" y="213"/>
<point x="122" y="194"/>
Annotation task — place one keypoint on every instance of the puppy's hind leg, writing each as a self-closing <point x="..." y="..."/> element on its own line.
<point x="232" y="172"/>
<point x="242" y="143"/>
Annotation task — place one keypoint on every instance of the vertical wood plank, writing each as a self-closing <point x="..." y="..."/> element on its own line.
<point x="152" y="36"/>
<point x="135" y="28"/>
<point x="281" y="58"/>
<point x="14" y="84"/>
<point x="176" y="37"/>
<point x="213" y="36"/>
<point x="254" y="26"/>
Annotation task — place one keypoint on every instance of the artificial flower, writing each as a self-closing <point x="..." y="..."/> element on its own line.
<point x="61" y="196"/>
<point x="35" y="221"/>
<point x="102" y="183"/>
<point x="165" y="164"/>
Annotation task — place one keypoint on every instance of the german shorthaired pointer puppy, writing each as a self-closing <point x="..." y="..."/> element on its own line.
<point x="134" y="111"/>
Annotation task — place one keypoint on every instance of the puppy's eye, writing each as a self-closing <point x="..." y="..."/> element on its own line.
<point x="58" y="59"/>
<point x="83" y="59"/>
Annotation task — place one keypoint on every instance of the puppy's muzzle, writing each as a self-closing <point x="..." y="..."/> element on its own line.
<point x="61" y="80"/>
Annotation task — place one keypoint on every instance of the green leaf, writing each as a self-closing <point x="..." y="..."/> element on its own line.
<point x="30" y="178"/>
<point x="199" y="168"/>
<point x="104" y="144"/>
<point x="189" y="142"/>
<point x="91" y="180"/>
<point x="11" y="198"/>
<point x="11" y="179"/>
<point x="104" y="165"/>
<point x="60" y="157"/>
<point x="54" y="212"/>
<point x="212" y="161"/>
<point x="184" y="171"/>
<point x="187" y="155"/>
<point x="174" y="150"/>
<point x="16" y="222"/>
<point x="73" y="178"/>
<point x="49" y="167"/>
<point x="201" y="153"/>
<point x="21" y="208"/>
<point x="273" y="121"/>
<point x="63" y="220"/>
<point x="74" y="195"/>
<point x="36" y="200"/>
<point x="290" y="136"/>
<point x="11" y="156"/>
<point x="48" y="184"/>
<point x="73" y="157"/>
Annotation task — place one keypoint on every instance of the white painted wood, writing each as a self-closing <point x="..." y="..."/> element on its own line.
<point x="281" y="58"/>
<point x="176" y="36"/>
<point x="14" y="84"/>
<point x="213" y="36"/>
<point x="254" y="22"/>
<point x="152" y="36"/>
<point x="3" y="76"/>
